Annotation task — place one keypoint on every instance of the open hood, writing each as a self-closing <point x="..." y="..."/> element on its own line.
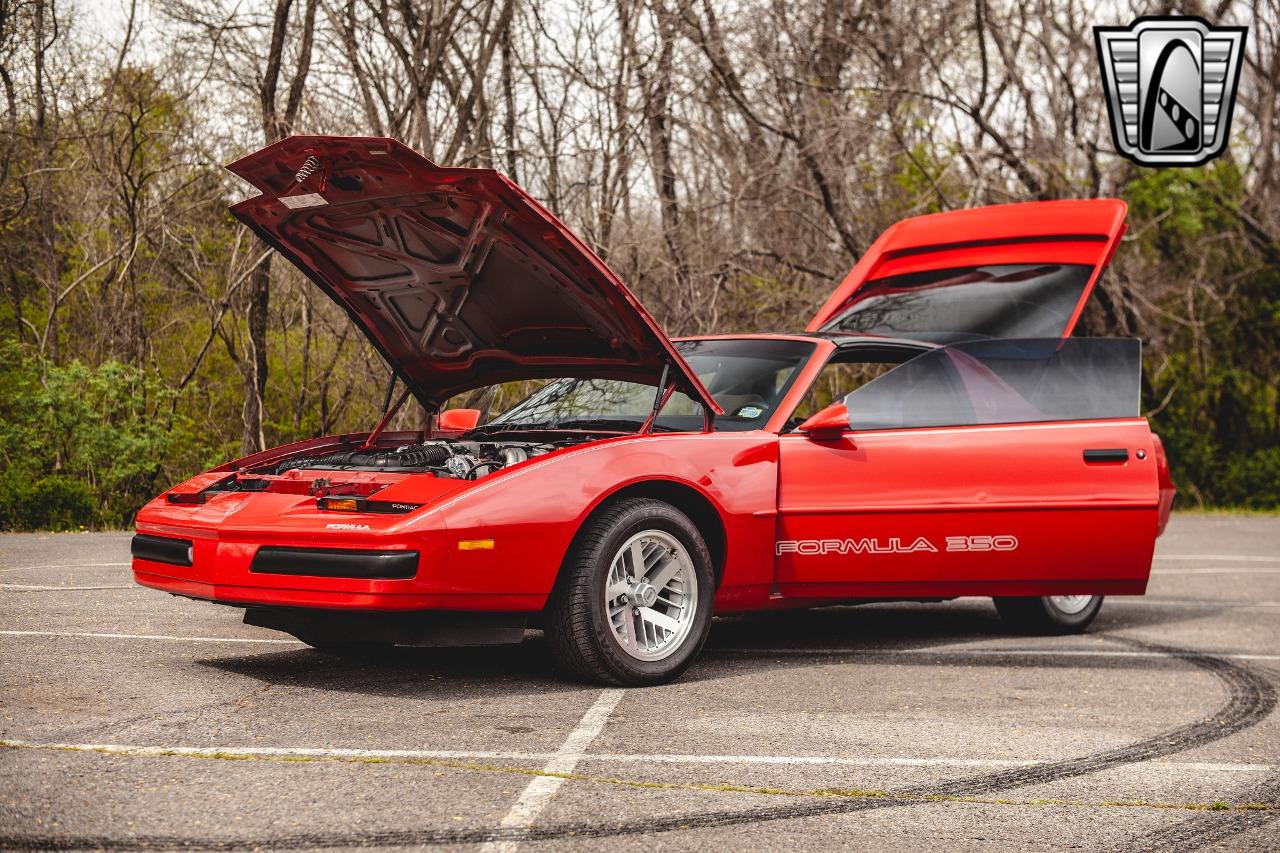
<point x="1007" y="271"/>
<point x="457" y="276"/>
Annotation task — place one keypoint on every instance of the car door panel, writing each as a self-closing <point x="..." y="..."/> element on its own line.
<point x="1002" y="509"/>
<point x="998" y="467"/>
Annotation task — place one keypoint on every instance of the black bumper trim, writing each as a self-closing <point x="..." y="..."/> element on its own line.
<point x="161" y="549"/>
<point x="335" y="563"/>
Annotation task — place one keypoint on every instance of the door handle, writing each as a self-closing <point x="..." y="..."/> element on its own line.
<point x="1106" y="454"/>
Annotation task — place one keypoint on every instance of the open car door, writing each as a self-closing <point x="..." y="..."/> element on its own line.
<point x="988" y="467"/>
<point x="1007" y="271"/>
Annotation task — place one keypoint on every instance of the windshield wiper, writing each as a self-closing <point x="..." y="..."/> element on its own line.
<point x="607" y="422"/>
<point x="612" y="424"/>
<point x="514" y="426"/>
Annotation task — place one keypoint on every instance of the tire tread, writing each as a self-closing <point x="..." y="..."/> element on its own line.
<point x="569" y="629"/>
<point x="1033" y="615"/>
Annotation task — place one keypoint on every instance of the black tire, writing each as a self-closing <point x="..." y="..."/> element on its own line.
<point x="1041" y="615"/>
<point x="578" y="629"/>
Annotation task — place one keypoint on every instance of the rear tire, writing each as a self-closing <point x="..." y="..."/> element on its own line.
<point x="1049" y="614"/>
<point x="632" y="605"/>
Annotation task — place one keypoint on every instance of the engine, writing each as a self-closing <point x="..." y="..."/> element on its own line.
<point x="463" y="460"/>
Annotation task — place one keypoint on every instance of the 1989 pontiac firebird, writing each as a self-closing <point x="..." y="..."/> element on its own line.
<point x="935" y="432"/>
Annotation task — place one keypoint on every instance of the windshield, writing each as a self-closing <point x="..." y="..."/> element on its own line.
<point x="748" y="378"/>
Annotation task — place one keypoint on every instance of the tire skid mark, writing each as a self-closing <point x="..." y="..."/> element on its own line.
<point x="1204" y="830"/>
<point x="1251" y="698"/>
<point x="1211" y="827"/>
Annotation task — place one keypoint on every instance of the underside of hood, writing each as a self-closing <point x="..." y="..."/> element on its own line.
<point x="457" y="276"/>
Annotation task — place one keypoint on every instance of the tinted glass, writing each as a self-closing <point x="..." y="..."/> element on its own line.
<point x="746" y="377"/>
<point x="997" y="301"/>
<point x="1005" y="381"/>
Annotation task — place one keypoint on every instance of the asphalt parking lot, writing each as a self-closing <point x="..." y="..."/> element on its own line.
<point x="131" y="719"/>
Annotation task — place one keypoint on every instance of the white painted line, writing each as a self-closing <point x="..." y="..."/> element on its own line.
<point x="951" y="651"/>
<point x="280" y="751"/>
<point x="939" y="650"/>
<point x="1249" y="558"/>
<point x="23" y="587"/>
<point x="1153" y="601"/>
<point x="541" y="789"/>
<point x="10" y="569"/>
<point x="1218" y="570"/>
<point x="611" y="757"/>
<point x="171" y="638"/>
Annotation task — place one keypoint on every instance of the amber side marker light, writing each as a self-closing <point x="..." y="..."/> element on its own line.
<point x="475" y="544"/>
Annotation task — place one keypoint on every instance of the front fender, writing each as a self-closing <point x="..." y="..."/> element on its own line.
<point x="509" y="533"/>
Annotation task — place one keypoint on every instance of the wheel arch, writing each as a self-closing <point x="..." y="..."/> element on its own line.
<point x="700" y="509"/>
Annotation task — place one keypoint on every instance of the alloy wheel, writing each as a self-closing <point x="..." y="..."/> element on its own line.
<point x="1070" y="604"/>
<point x="651" y="595"/>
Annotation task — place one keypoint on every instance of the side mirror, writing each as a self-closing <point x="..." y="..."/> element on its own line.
<point x="458" y="420"/>
<point x="830" y="424"/>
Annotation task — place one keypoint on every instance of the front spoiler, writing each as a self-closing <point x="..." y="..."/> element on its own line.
<point x="435" y="629"/>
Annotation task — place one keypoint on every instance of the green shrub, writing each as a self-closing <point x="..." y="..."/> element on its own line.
<point x="1252" y="480"/>
<point x="79" y="445"/>
<point x="55" y="502"/>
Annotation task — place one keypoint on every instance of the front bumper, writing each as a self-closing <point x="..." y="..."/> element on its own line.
<point x="338" y="573"/>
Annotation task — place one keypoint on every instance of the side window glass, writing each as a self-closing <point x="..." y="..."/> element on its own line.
<point x="835" y="381"/>
<point x="1005" y="381"/>
<point x="923" y="392"/>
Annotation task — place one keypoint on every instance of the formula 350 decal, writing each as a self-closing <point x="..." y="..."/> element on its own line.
<point x="895" y="545"/>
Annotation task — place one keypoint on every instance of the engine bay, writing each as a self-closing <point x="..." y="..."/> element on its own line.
<point x="349" y="475"/>
<point x="456" y="458"/>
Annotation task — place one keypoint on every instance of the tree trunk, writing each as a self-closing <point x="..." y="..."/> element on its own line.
<point x="657" y="93"/>
<point x="50" y="267"/>
<point x="275" y="126"/>
<point x="255" y="375"/>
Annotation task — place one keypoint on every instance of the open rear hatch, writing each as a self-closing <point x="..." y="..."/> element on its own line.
<point x="457" y="276"/>
<point x="1008" y="271"/>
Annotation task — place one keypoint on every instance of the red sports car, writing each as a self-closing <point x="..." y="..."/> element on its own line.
<point x="934" y="433"/>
